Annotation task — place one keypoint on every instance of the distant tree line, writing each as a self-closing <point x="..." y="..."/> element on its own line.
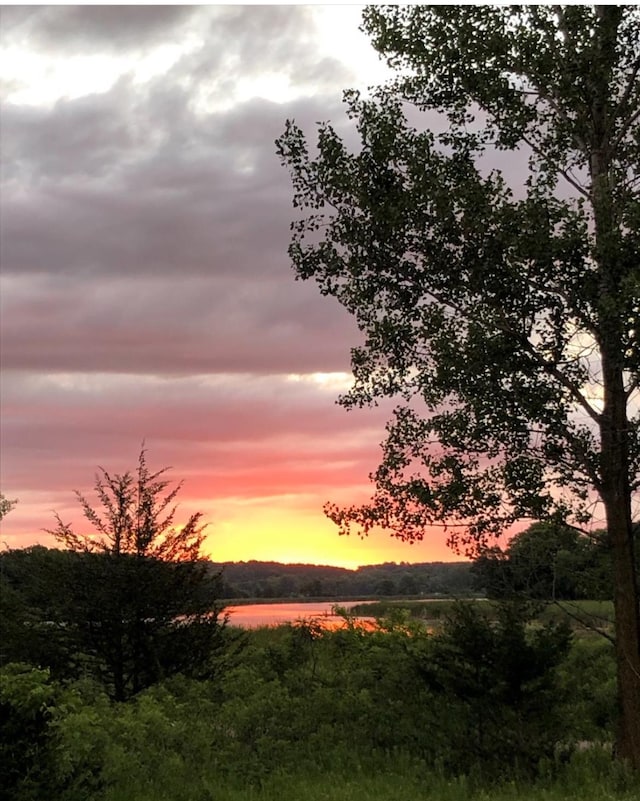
<point x="242" y="580"/>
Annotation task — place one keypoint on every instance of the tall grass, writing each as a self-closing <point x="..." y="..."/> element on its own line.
<point x="585" y="779"/>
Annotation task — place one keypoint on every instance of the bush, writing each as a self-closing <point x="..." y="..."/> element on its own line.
<point x="27" y="701"/>
<point x="502" y="701"/>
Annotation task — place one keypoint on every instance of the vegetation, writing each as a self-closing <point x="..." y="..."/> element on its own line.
<point x="504" y="315"/>
<point x="274" y="580"/>
<point x="6" y="505"/>
<point x="478" y="711"/>
<point x="129" y="604"/>
<point x="549" y="561"/>
<point x="581" y="616"/>
<point x="492" y="703"/>
<point x="487" y="701"/>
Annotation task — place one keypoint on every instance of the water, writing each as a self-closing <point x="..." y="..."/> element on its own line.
<point x="251" y="616"/>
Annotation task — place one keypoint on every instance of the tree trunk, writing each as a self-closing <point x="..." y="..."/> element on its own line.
<point x="617" y="501"/>
<point x="614" y="439"/>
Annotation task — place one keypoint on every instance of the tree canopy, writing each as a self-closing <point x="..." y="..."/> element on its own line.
<point x="503" y="313"/>
<point x="138" y="598"/>
<point x="548" y="561"/>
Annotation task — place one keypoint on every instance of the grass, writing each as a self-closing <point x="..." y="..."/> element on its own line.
<point x="596" y="614"/>
<point x="583" y="780"/>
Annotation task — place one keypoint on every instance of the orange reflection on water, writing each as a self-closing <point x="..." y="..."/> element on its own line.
<point x="251" y="616"/>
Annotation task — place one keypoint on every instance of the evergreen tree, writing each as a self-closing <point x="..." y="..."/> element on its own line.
<point x="141" y="601"/>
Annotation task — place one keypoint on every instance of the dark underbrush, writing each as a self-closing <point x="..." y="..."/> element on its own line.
<point x="491" y="707"/>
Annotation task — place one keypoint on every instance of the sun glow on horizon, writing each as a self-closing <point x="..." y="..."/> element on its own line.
<point x="295" y="533"/>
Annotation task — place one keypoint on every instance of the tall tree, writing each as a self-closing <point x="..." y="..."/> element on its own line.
<point x="142" y="601"/>
<point x="506" y="317"/>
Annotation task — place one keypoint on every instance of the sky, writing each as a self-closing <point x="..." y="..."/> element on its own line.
<point x="146" y="292"/>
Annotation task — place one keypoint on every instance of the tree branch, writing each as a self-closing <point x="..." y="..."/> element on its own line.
<point x="565" y="173"/>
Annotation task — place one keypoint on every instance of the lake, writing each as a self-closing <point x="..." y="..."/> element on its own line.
<point x="251" y="616"/>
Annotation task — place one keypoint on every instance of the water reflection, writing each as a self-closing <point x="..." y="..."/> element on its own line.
<point x="251" y="616"/>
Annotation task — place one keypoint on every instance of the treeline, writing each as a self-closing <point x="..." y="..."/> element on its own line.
<point x="275" y="580"/>
<point x="549" y="562"/>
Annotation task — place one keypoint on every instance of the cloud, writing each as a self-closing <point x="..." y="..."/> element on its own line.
<point x="146" y="287"/>
<point x="162" y="254"/>
<point x="60" y="29"/>
<point x="233" y="438"/>
<point x="201" y="193"/>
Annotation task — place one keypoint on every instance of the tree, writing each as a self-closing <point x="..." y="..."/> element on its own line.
<point x="546" y="562"/>
<point x="506" y="318"/>
<point x="141" y="600"/>
<point x="34" y="610"/>
<point x="507" y="707"/>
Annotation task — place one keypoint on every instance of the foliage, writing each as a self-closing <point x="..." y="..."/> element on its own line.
<point x="313" y="712"/>
<point x="34" y="597"/>
<point x="500" y="681"/>
<point x="134" y="596"/>
<point x="6" y="505"/>
<point x="588" y="677"/>
<point x="138" y="515"/>
<point x="505" y="317"/>
<point x="27" y="699"/>
<point x="547" y="561"/>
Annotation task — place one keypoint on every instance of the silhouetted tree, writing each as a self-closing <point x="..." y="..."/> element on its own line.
<point x="505" y="318"/>
<point x="141" y="601"/>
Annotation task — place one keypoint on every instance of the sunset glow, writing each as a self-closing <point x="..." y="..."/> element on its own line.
<point x="146" y="292"/>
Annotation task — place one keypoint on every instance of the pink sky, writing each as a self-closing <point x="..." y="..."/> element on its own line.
<point x="146" y="288"/>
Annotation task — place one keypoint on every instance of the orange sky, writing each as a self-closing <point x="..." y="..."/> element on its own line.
<point x="244" y="523"/>
<point x="285" y="534"/>
<point x="147" y="293"/>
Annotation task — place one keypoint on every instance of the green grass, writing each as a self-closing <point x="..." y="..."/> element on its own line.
<point x="598" y="614"/>
<point x="583" y="780"/>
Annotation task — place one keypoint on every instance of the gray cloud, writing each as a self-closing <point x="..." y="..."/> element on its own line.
<point x="156" y="238"/>
<point x="151" y="187"/>
<point x="146" y="288"/>
<point x="173" y="327"/>
<point x="61" y="29"/>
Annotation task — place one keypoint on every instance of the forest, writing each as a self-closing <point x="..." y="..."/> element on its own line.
<point x="273" y="580"/>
